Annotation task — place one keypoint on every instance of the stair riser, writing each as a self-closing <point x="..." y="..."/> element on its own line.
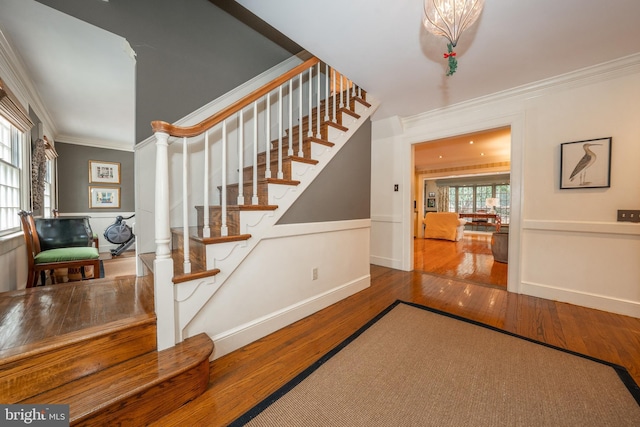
<point x="263" y="196"/>
<point x="196" y="249"/>
<point x="37" y="373"/>
<point x="152" y="404"/>
<point x="247" y="174"/>
<point x="306" y="153"/>
<point x="215" y="219"/>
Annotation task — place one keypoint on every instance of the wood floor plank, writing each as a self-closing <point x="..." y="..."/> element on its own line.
<point x="241" y="379"/>
<point x="35" y="314"/>
<point x="468" y="259"/>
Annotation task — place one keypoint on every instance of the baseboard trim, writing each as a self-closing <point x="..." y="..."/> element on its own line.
<point x="386" y="262"/>
<point x="584" y="299"/>
<point x="233" y="339"/>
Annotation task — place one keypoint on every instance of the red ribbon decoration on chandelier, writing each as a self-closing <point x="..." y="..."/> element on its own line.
<point x="446" y="55"/>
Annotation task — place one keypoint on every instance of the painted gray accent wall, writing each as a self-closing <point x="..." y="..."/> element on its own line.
<point x="73" y="177"/>
<point x="342" y="191"/>
<point x="188" y="52"/>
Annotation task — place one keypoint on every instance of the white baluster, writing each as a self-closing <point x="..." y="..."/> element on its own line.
<point x="290" y="149"/>
<point x="335" y="95"/>
<point x="310" y="130"/>
<point x="240" y="157"/>
<point x="254" y="197"/>
<point x="185" y="206"/>
<point x="318" y="105"/>
<point x="326" y="92"/>
<point x="224" y="230"/>
<point x="348" y="104"/>
<point x="280" y="176"/>
<point x="206" y="229"/>
<point x="341" y="93"/>
<point x="267" y="172"/>
<point x="300" y="151"/>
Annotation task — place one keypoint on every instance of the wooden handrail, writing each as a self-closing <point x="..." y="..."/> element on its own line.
<point x="208" y="123"/>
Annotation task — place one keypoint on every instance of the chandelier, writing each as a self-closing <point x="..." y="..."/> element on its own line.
<point x="449" y="18"/>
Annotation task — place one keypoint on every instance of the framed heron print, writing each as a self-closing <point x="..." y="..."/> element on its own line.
<point x="585" y="164"/>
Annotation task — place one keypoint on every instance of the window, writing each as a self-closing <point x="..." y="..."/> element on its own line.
<point x="46" y="206"/>
<point x="472" y="198"/>
<point x="10" y="161"/>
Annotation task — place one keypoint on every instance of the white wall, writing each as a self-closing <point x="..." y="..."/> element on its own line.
<point x="241" y="312"/>
<point x="13" y="254"/>
<point x="564" y="244"/>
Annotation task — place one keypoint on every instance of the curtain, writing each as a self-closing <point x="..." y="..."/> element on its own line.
<point x="443" y="199"/>
<point x="11" y="109"/>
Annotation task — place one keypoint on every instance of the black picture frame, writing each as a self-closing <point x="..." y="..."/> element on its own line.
<point x="431" y="202"/>
<point x="585" y="164"/>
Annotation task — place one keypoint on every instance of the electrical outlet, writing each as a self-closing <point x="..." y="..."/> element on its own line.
<point x="314" y="274"/>
<point x="629" y="215"/>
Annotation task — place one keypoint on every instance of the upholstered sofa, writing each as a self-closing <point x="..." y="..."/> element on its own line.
<point x="443" y="225"/>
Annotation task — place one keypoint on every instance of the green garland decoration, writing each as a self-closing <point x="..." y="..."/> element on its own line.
<point x="453" y="62"/>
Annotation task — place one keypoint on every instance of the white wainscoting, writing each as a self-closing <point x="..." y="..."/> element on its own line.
<point x="251" y="303"/>
<point x="564" y="264"/>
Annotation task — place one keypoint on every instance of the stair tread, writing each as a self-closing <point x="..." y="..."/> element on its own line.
<point x="54" y="343"/>
<point x="267" y="181"/>
<point x="200" y="274"/>
<point x="285" y="158"/>
<point x="127" y="378"/>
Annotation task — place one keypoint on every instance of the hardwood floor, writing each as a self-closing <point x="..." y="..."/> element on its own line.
<point x="470" y="259"/>
<point x="30" y="316"/>
<point x="243" y="378"/>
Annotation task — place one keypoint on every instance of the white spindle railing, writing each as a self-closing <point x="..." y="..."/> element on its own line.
<point x="185" y="206"/>
<point x="206" y="228"/>
<point x="318" y="103"/>
<point x="310" y="84"/>
<point x="267" y="132"/>
<point x="224" y="229"/>
<point x="291" y="92"/>
<point x="254" y="196"/>
<point x="240" y="197"/>
<point x="300" y="131"/>
<point x="280" y="128"/>
<point x="326" y="92"/>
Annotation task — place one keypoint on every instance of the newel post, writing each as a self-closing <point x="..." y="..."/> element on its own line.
<point x="163" y="264"/>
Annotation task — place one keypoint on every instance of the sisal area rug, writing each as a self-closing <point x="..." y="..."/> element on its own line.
<point x="414" y="366"/>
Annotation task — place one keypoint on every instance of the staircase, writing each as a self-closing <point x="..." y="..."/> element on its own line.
<point x="269" y="147"/>
<point x="108" y="373"/>
<point x="136" y="367"/>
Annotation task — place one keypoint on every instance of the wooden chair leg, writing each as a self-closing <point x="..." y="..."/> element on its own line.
<point x="31" y="276"/>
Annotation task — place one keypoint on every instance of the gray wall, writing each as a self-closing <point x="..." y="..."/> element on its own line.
<point x="342" y="191"/>
<point x="73" y="177"/>
<point x="189" y="52"/>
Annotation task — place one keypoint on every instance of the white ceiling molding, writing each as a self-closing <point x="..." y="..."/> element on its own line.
<point x="586" y="76"/>
<point x="12" y="69"/>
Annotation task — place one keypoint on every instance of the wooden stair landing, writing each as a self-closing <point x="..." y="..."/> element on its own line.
<point x="92" y="345"/>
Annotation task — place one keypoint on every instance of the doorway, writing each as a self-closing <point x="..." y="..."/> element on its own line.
<point x="468" y="173"/>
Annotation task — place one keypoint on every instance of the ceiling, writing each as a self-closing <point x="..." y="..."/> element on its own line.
<point x="381" y="45"/>
<point x="488" y="150"/>
<point x="64" y="58"/>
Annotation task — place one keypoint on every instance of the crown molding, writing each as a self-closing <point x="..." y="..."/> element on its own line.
<point x="97" y="143"/>
<point x="16" y="75"/>
<point x="598" y="73"/>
